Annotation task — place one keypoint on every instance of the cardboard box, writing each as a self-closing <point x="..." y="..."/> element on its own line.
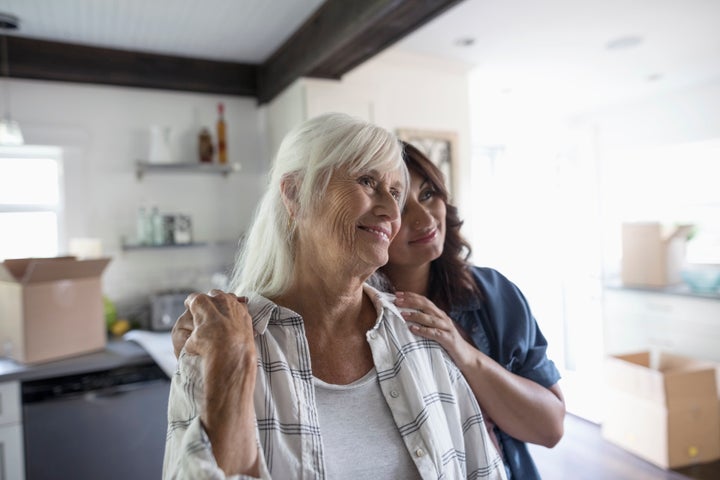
<point x="652" y="255"/>
<point x="663" y="408"/>
<point x="51" y="308"/>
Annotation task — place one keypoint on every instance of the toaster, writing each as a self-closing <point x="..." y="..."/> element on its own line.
<point x="165" y="308"/>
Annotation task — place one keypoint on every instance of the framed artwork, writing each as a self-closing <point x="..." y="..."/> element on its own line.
<point x="440" y="147"/>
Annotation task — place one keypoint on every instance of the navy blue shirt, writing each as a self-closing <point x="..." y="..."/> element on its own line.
<point x="501" y="326"/>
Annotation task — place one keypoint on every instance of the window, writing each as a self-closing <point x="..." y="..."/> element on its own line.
<point x="30" y="201"/>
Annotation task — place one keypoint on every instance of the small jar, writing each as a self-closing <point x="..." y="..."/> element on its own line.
<point x="205" y="146"/>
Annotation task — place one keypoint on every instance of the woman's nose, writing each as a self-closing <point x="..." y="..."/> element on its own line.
<point x="417" y="218"/>
<point x="388" y="205"/>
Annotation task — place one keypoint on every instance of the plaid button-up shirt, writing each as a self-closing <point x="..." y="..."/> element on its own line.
<point x="432" y="405"/>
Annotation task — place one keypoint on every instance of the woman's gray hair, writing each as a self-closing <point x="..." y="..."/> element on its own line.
<point x="307" y="157"/>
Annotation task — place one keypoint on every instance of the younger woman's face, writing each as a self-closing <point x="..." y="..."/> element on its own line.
<point x="422" y="231"/>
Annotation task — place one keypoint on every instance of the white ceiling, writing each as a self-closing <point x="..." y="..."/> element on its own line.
<point x="553" y="53"/>
<point x="547" y="51"/>
<point x="246" y="31"/>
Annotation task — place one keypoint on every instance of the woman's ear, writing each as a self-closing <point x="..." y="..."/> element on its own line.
<point x="290" y="190"/>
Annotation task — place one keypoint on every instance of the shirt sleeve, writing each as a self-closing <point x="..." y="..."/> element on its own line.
<point x="522" y="348"/>
<point x="188" y="451"/>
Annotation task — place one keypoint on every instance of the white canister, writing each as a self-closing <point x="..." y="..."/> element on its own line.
<point x="160" y="144"/>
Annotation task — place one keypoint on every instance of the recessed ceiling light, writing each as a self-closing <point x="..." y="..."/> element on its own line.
<point x="654" y="77"/>
<point x="8" y="21"/>
<point x="624" y="42"/>
<point x="465" y="41"/>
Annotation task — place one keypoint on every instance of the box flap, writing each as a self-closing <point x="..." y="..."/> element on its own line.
<point x="690" y="384"/>
<point x="680" y="232"/>
<point x="5" y="274"/>
<point x="17" y="267"/>
<point x="630" y="374"/>
<point x="33" y="270"/>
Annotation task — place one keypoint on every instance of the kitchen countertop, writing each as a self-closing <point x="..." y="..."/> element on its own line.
<point x="681" y="289"/>
<point x="117" y="353"/>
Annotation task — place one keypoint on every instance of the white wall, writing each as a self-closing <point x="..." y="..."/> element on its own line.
<point x="659" y="158"/>
<point x="553" y="199"/>
<point x="394" y="90"/>
<point x="102" y="131"/>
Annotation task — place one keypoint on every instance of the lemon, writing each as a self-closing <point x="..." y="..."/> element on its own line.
<point x="120" y="327"/>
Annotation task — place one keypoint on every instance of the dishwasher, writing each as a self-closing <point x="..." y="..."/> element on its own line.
<point x="108" y="424"/>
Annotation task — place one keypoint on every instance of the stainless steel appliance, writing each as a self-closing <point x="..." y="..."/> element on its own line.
<point x="165" y="308"/>
<point x="109" y="424"/>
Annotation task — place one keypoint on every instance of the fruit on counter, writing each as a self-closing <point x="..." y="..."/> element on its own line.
<point x="120" y="327"/>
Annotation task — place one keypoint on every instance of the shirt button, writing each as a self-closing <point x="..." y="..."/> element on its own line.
<point x="419" y="452"/>
<point x="394" y="393"/>
<point x="373" y="335"/>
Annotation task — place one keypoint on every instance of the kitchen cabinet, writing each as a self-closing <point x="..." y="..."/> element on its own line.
<point x="142" y="420"/>
<point x="636" y="319"/>
<point x="12" y="460"/>
<point x="142" y="168"/>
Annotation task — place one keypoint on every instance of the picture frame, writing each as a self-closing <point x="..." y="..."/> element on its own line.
<point x="440" y="147"/>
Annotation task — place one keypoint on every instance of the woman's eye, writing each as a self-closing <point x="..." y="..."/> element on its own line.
<point x="427" y="194"/>
<point x="396" y="194"/>
<point x="367" y="181"/>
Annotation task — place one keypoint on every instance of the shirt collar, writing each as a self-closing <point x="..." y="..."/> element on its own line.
<point x="264" y="311"/>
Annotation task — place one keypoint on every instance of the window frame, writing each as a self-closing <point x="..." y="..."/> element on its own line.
<point x="44" y="152"/>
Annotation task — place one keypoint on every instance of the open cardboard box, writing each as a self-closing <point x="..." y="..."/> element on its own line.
<point x="663" y="408"/>
<point x="51" y="308"/>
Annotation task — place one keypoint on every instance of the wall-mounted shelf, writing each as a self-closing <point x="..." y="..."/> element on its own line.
<point x="128" y="246"/>
<point x="170" y="246"/>
<point x="143" y="167"/>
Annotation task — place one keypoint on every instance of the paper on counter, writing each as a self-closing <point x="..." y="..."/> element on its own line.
<point x="158" y="345"/>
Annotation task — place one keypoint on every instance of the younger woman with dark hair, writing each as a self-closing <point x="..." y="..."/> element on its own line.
<point x="479" y="316"/>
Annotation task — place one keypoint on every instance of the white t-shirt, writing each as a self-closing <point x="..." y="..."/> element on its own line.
<point x="360" y="438"/>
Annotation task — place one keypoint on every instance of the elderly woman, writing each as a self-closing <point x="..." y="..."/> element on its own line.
<point x="315" y="374"/>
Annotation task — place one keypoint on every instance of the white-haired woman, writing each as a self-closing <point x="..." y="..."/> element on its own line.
<point x="314" y="374"/>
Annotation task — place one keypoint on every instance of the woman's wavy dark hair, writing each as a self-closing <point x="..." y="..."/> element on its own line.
<point x="451" y="281"/>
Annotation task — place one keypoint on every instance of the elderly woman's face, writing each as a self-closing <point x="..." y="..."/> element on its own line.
<point x="357" y="219"/>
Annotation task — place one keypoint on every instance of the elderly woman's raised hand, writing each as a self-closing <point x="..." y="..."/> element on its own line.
<point x="212" y="319"/>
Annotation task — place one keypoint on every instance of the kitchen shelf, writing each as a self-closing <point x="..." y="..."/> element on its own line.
<point x="178" y="246"/>
<point x="143" y="167"/>
<point x="128" y="246"/>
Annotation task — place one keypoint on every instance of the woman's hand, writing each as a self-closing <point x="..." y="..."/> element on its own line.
<point x="218" y="327"/>
<point x="522" y="408"/>
<point x="213" y="306"/>
<point x="433" y="323"/>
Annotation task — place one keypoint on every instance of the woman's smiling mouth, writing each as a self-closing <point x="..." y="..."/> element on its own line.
<point x="377" y="231"/>
<point x="427" y="238"/>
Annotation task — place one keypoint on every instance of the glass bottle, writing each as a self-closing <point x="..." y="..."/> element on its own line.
<point x="158" y="230"/>
<point x="221" y="141"/>
<point x="142" y="223"/>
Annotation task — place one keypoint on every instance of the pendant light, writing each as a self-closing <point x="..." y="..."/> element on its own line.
<point x="10" y="133"/>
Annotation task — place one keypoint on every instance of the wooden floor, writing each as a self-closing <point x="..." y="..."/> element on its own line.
<point x="583" y="454"/>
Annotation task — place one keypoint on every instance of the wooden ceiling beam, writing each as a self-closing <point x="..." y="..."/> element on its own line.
<point x="43" y="60"/>
<point x="340" y="35"/>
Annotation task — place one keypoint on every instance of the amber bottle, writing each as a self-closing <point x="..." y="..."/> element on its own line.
<point x="221" y="142"/>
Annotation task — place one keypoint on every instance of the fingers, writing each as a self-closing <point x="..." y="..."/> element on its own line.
<point x="215" y="301"/>
<point x="206" y="312"/>
<point x="181" y="331"/>
<point x="418" y="302"/>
